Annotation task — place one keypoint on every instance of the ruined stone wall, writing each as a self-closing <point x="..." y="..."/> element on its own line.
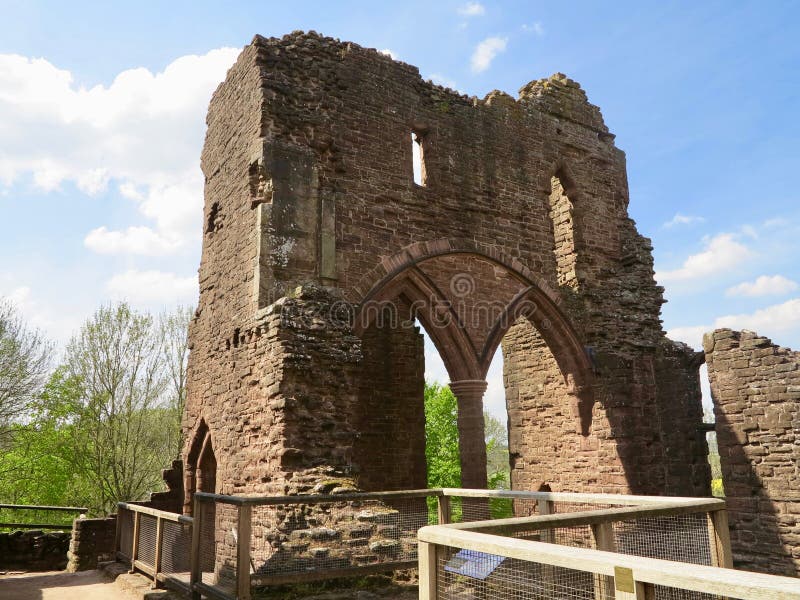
<point x="92" y="542"/>
<point x="390" y="414"/>
<point x="756" y="389"/>
<point x="308" y="166"/>
<point x="33" y="550"/>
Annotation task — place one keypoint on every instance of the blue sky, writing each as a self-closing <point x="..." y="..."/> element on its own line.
<point x="102" y="111"/>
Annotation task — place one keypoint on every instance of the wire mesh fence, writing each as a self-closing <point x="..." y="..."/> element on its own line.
<point x="176" y="545"/>
<point x="147" y="540"/>
<point x="125" y="537"/>
<point x="470" y="575"/>
<point x="242" y="541"/>
<point x="682" y="538"/>
<point x="329" y="537"/>
<point x="218" y="545"/>
<point x="469" y="509"/>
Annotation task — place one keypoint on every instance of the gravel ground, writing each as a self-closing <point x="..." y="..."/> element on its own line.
<point x="88" y="585"/>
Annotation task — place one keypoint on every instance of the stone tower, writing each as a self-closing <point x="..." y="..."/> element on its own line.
<point x="321" y="252"/>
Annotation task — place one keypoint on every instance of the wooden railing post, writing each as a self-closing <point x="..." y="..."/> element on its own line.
<point x="719" y="537"/>
<point x="428" y="571"/>
<point x="243" y="531"/>
<point x="157" y="559"/>
<point x="603" y="534"/>
<point x="117" y="533"/>
<point x="641" y="591"/>
<point x="135" y="544"/>
<point x="196" y="574"/>
<point x="443" y="509"/>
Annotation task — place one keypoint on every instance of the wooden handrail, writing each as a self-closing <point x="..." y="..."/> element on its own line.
<point x="72" y="509"/>
<point x="316" y="498"/>
<point x="698" y="578"/>
<point x="579" y="498"/>
<point x="154" y="512"/>
<point x="589" y="517"/>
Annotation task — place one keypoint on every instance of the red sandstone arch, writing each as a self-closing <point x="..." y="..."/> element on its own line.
<point x="400" y="276"/>
<point x="200" y="470"/>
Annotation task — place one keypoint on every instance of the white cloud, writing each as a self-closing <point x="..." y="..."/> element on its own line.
<point x="485" y="53"/>
<point x="389" y="53"/>
<point x="536" y="28"/>
<point x="55" y="324"/>
<point x="779" y="322"/>
<point x="775" y="222"/>
<point x="773" y="320"/>
<point x="692" y="335"/>
<point x="472" y="9"/>
<point x="133" y="240"/>
<point x="680" y="219"/>
<point x="153" y="287"/>
<point x="144" y="132"/>
<point x="765" y="285"/>
<point x="722" y="253"/>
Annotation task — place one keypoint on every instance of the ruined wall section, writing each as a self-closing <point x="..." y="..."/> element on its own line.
<point x="756" y="390"/>
<point x="390" y="410"/>
<point x="308" y="168"/>
<point x="235" y="354"/>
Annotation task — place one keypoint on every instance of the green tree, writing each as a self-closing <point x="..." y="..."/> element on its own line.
<point x="115" y="404"/>
<point x="442" y="453"/>
<point x="441" y="437"/>
<point x="24" y="363"/>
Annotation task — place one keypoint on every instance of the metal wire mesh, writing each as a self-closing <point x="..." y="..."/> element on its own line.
<point x="176" y="545"/>
<point x="683" y="538"/>
<point x="218" y="526"/>
<point x="147" y="540"/>
<point x="334" y="536"/>
<point x="125" y="524"/>
<point x="467" y="575"/>
<point x="465" y="510"/>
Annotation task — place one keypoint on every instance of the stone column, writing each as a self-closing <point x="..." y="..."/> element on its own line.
<point x="471" y="437"/>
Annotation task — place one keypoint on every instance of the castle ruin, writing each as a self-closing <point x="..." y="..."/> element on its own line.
<point x="321" y="252"/>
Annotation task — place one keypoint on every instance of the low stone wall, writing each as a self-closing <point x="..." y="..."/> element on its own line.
<point x="756" y="389"/>
<point x="34" y="550"/>
<point x="92" y="542"/>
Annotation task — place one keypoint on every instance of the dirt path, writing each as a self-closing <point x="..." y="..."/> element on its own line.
<point x="88" y="585"/>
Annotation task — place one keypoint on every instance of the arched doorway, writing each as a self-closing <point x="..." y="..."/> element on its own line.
<point x="201" y="467"/>
<point x="467" y="301"/>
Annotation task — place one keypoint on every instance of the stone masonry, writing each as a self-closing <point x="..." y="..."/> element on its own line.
<point x="756" y="389"/>
<point x="321" y="256"/>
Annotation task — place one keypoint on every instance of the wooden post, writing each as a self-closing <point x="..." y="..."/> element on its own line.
<point x="443" y="509"/>
<point x="428" y="571"/>
<point x="547" y="507"/>
<point x="719" y="537"/>
<point x="157" y="559"/>
<point x="196" y="575"/>
<point x="135" y="545"/>
<point x="604" y="540"/>
<point x="117" y="534"/>
<point x="243" y="531"/>
<point x="642" y="591"/>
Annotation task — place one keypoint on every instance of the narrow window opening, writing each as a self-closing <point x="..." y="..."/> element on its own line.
<point x="717" y="487"/>
<point x="563" y="219"/>
<point x="211" y="225"/>
<point x="417" y="159"/>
